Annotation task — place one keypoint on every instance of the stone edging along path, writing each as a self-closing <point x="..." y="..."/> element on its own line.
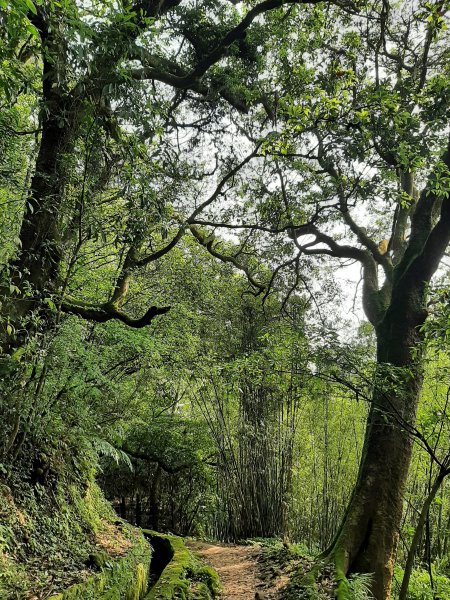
<point x="177" y="572"/>
<point x="158" y="567"/>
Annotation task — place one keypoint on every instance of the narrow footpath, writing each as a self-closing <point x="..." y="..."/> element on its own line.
<point x="237" y="567"/>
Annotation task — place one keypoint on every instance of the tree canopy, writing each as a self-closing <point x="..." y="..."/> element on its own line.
<point x="187" y="193"/>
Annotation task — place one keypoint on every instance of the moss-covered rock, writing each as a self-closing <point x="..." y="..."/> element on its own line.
<point x="185" y="576"/>
<point x="207" y="578"/>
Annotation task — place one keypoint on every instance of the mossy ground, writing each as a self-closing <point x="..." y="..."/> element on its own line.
<point x="50" y="538"/>
<point x="122" y="579"/>
<point x="296" y="564"/>
<point x="66" y="543"/>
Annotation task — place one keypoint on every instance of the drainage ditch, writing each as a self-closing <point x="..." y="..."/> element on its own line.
<point x="161" y="556"/>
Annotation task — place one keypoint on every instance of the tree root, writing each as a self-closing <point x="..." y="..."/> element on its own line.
<point x="309" y="582"/>
<point x="342" y="588"/>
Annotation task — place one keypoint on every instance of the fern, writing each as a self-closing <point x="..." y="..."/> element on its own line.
<point x="359" y="586"/>
<point x="104" y="448"/>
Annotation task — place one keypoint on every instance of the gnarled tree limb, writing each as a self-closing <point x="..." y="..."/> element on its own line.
<point x="101" y="313"/>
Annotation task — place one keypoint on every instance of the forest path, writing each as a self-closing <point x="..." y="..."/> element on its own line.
<point x="237" y="567"/>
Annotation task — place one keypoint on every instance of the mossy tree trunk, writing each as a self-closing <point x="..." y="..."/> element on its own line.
<point x="33" y="274"/>
<point x="367" y="539"/>
<point x="34" y="270"/>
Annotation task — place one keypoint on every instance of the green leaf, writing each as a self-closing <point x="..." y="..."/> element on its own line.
<point x="18" y="353"/>
<point x="29" y="4"/>
<point x="50" y="303"/>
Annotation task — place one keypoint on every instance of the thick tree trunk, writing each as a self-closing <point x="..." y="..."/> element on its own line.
<point x="367" y="540"/>
<point x="39" y="235"/>
<point x="33" y="273"/>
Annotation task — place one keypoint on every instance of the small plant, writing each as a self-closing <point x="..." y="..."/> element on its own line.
<point x="359" y="586"/>
<point x="419" y="584"/>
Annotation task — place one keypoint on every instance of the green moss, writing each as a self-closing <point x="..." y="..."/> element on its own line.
<point x="207" y="576"/>
<point x="201" y="592"/>
<point x="60" y="528"/>
<point x="139" y="587"/>
<point x="173" y="582"/>
<point x="125" y="578"/>
<point x="91" y="507"/>
<point x="185" y="577"/>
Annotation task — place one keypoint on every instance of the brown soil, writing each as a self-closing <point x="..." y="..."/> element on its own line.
<point x="112" y="540"/>
<point x="237" y="567"/>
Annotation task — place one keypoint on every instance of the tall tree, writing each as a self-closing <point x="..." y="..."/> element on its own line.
<point x="361" y="154"/>
<point x="85" y="54"/>
<point x="352" y="101"/>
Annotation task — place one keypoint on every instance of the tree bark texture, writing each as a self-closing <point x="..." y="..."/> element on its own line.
<point x="368" y="538"/>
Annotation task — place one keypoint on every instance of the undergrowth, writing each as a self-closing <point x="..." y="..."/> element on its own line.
<point x="55" y="524"/>
<point x="420" y="586"/>
<point x="297" y="563"/>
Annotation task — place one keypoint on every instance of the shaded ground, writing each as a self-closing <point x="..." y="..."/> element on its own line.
<point x="238" y="569"/>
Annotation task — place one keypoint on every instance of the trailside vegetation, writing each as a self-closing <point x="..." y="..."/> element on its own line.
<point x="224" y="230"/>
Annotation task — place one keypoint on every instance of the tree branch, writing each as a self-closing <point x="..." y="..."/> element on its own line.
<point x="237" y="33"/>
<point x="152" y="457"/>
<point x="210" y="242"/>
<point x="428" y="241"/>
<point x="360" y="232"/>
<point x="373" y="297"/>
<point x="102" y="313"/>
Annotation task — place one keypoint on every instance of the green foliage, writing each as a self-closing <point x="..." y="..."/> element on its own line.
<point x="359" y="586"/>
<point x="105" y="449"/>
<point x="420" y="586"/>
<point x="55" y="550"/>
<point x="125" y="578"/>
<point x="236" y="415"/>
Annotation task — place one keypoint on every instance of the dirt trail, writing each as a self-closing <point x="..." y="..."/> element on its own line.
<point x="237" y="568"/>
